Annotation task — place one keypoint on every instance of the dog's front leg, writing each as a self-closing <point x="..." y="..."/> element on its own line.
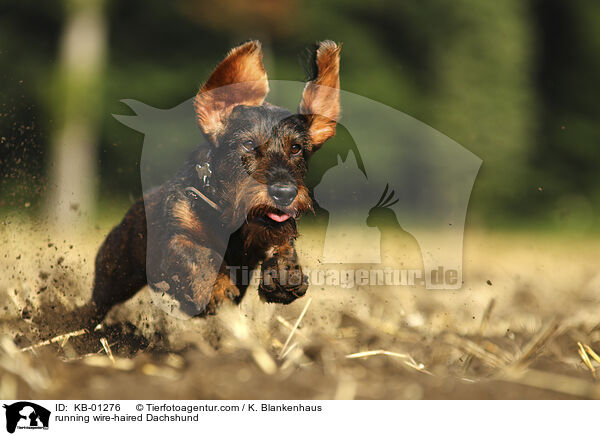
<point x="196" y="277"/>
<point x="223" y="290"/>
<point x="282" y="279"/>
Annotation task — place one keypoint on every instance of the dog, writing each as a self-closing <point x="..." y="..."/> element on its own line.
<point x="234" y="204"/>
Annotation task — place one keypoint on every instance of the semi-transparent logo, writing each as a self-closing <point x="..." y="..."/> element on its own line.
<point x="395" y="194"/>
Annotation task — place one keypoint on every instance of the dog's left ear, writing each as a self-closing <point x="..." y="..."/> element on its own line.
<point x="240" y="79"/>
<point x="321" y="96"/>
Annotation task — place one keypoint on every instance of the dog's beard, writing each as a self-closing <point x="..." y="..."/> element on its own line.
<point x="252" y="203"/>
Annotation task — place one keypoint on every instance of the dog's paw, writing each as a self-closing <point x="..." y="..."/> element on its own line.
<point x="281" y="281"/>
<point x="223" y="290"/>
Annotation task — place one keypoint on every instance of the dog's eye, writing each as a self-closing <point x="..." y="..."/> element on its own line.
<point x="296" y="149"/>
<point x="249" y="145"/>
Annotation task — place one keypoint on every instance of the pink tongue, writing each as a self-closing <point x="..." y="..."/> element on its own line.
<point x="279" y="218"/>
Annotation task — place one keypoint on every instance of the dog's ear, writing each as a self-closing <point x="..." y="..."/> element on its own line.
<point x="240" y="79"/>
<point x="321" y="96"/>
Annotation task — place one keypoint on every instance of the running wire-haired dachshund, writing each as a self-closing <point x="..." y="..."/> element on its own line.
<point x="234" y="203"/>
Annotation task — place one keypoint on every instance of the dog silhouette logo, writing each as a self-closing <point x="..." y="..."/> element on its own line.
<point x="427" y="176"/>
<point x="26" y="415"/>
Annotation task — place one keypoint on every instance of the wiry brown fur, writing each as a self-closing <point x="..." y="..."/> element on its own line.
<point x="258" y="154"/>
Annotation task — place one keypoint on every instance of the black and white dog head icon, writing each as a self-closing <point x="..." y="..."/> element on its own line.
<point x="25" y="414"/>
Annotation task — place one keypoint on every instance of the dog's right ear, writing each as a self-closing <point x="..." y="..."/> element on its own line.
<point x="240" y="79"/>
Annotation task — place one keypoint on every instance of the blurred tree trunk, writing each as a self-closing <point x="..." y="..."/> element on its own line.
<point x="77" y="107"/>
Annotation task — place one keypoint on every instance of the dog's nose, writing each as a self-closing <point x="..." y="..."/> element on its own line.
<point x="282" y="194"/>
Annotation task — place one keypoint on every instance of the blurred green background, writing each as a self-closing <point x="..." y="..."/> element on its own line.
<point x="516" y="82"/>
